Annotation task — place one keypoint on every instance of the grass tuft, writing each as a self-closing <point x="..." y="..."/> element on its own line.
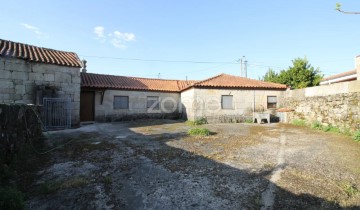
<point x="298" y="122"/>
<point x="198" y="132"/>
<point x="356" y="136"/>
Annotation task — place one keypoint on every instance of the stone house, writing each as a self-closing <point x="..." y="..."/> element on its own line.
<point x="29" y="73"/>
<point x="109" y="97"/>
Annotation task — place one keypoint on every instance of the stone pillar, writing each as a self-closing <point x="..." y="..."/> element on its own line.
<point x="357" y="65"/>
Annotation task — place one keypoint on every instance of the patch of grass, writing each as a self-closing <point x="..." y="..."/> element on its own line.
<point x="331" y="128"/>
<point x="298" y="122"/>
<point x="248" y="121"/>
<point x="200" y="121"/>
<point x="356" y="136"/>
<point x="198" y="132"/>
<point x="316" y="125"/>
<point x="74" y="182"/>
<point x="107" y="180"/>
<point x="349" y="189"/>
<point x="11" y="199"/>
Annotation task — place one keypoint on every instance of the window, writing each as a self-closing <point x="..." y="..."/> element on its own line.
<point x="226" y="102"/>
<point x="121" y="102"/>
<point x="153" y="102"/>
<point x="271" y="102"/>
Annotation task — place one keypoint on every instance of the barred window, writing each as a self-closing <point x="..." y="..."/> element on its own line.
<point x="153" y="102"/>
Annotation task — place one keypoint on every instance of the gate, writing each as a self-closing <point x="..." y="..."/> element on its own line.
<point x="57" y="113"/>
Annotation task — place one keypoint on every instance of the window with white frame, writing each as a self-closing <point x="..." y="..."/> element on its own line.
<point x="153" y="102"/>
<point x="121" y="102"/>
<point x="227" y="102"/>
<point x="271" y="102"/>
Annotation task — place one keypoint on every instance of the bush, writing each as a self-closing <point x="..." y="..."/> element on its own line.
<point x="200" y="121"/>
<point x="11" y="199"/>
<point x="356" y="136"/>
<point x="299" y="122"/>
<point x="198" y="132"/>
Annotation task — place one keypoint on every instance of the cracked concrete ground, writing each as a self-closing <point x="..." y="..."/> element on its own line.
<point x="156" y="165"/>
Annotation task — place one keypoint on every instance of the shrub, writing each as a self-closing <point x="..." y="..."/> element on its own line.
<point x="356" y="136"/>
<point x="298" y="122"/>
<point x="198" y="132"/>
<point x="11" y="199"/>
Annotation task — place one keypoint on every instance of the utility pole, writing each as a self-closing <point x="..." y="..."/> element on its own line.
<point x="245" y="68"/>
<point x="242" y="70"/>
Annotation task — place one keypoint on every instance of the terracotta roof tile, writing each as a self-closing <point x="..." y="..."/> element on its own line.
<point x="132" y="83"/>
<point x="344" y="74"/>
<point x="38" y="54"/>
<point x="91" y="80"/>
<point x="230" y="81"/>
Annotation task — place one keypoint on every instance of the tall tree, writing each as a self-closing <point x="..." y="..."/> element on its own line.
<point x="300" y="75"/>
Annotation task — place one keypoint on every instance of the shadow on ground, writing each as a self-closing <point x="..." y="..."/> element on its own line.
<point x="130" y="166"/>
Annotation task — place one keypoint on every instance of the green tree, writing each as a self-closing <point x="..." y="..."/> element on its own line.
<point x="270" y="76"/>
<point x="300" y="75"/>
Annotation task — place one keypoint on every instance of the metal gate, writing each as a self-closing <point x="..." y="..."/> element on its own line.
<point x="57" y="113"/>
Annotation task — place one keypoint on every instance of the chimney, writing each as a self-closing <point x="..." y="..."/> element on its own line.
<point x="357" y="64"/>
<point x="83" y="70"/>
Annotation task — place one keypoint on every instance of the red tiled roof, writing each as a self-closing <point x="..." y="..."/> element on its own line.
<point x="344" y="74"/>
<point x="91" y="80"/>
<point x="230" y="81"/>
<point x="38" y="54"/>
<point x="132" y="83"/>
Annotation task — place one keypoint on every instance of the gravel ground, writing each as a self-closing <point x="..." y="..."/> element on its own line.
<point x="156" y="165"/>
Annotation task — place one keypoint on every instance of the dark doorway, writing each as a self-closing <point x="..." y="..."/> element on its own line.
<point x="87" y="103"/>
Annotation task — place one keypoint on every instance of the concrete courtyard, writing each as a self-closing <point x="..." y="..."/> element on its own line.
<point x="156" y="165"/>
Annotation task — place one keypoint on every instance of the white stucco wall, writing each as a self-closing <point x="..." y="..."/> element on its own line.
<point x="19" y="80"/>
<point x="169" y="104"/>
<point x="207" y="102"/>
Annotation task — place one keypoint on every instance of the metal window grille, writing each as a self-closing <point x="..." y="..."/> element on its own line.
<point x="56" y="113"/>
<point x="153" y="102"/>
<point x="226" y="102"/>
<point x="121" y="102"/>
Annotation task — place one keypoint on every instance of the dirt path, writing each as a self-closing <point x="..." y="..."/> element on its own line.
<point x="156" y="165"/>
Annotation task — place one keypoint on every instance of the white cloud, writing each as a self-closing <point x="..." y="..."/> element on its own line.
<point x="34" y="29"/>
<point x="128" y="37"/>
<point x="99" y="31"/>
<point x="117" y="39"/>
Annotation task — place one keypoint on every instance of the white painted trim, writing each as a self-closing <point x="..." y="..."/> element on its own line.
<point x="328" y="82"/>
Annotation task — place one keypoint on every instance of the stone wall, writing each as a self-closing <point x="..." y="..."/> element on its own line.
<point x="169" y="105"/>
<point x="201" y="102"/>
<point x="20" y="80"/>
<point x="339" y="109"/>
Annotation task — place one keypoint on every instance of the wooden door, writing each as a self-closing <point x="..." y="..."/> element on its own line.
<point x="87" y="103"/>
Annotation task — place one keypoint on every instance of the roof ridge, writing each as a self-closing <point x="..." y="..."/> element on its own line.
<point x="30" y="45"/>
<point x="158" y="79"/>
<point x="205" y="80"/>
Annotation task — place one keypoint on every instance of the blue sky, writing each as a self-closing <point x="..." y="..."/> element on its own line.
<point x="144" y="38"/>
